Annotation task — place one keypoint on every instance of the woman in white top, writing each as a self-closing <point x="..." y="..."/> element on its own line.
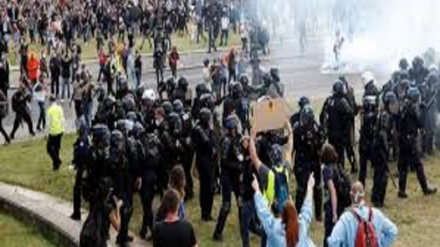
<point x="40" y="94"/>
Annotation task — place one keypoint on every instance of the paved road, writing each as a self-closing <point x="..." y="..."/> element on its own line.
<point x="300" y="71"/>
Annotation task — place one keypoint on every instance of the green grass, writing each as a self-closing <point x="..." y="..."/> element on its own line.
<point x="27" y="164"/>
<point x="89" y="52"/>
<point x="14" y="233"/>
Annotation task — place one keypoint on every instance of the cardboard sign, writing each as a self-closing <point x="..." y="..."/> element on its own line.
<point x="270" y="114"/>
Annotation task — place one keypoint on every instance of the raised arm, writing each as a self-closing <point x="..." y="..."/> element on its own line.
<point x="253" y="150"/>
<point x="289" y="149"/>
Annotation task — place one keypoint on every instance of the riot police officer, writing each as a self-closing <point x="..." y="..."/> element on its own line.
<point x="80" y="149"/>
<point x="231" y="162"/>
<point x="308" y="140"/>
<point x="302" y="102"/>
<point x="369" y="81"/>
<point x="367" y="135"/>
<point x="148" y="164"/>
<point x="409" y="127"/>
<point x="418" y="72"/>
<point x="97" y="163"/>
<point x="187" y="146"/>
<point x="124" y="157"/>
<point x="428" y="92"/>
<point x="383" y="140"/>
<point x="206" y="157"/>
<point x="22" y="111"/>
<point x="182" y="92"/>
<point x="335" y="119"/>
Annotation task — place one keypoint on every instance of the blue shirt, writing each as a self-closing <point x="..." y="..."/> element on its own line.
<point x="345" y="230"/>
<point x="274" y="228"/>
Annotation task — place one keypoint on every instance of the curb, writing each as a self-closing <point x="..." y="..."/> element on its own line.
<point x="29" y="212"/>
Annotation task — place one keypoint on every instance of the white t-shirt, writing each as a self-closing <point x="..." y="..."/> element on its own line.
<point x="225" y="22"/>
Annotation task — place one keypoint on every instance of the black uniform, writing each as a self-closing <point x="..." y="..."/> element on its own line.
<point x="231" y="163"/>
<point x="335" y="118"/>
<point x="409" y="126"/>
<point x="22" y="111"/>
<point x="206" y="156"/>
<point x="308" y="140"/>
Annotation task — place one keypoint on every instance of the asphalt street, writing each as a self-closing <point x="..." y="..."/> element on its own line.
<point x="300" y="72"/>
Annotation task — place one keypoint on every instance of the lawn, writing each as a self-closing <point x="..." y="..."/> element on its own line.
<point x="14" y="233"/>
<point x="27" y="164"/>
<point x="182" y="42"/>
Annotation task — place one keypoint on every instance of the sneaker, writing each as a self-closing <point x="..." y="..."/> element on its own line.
<point x="402" y="195"/>
<point x="430" y="191"/>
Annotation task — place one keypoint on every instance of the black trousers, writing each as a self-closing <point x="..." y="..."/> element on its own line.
<point x="2" y="130"/>
<point x="408" y="159"/>
<point x="380" y="180"/>
<point x="77" y="187"/>
<point x="147" y="196"/>
<point x="19" y="117"/>
<point x="53" y="149"/>
<point x="55" y="85"/>
<point x="206" y="169"/>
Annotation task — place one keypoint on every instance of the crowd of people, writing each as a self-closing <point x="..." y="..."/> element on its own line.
<point x="140" y="141"/>
<point x="143" y="141"/>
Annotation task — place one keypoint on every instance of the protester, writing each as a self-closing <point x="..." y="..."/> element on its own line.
<point x="178" y="183"/>
<point x="40" y="94"/>
<point x="20" y="106"/>
<point x="173" y="60"/>
<point x="105" y="212"/>
<point x="288" y="228"/>
<point x="329" y="158"/>
<point x="173" y="231"/>
<point x="345" y="232"/>
<point x="66" y="73"/>
<point x="3" y="113"/>
<point x="56" y="129"/>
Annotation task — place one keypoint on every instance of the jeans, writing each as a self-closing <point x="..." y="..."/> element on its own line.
<point x="249" y="223"/>
<point x="138" y="78"/>
<point x="87" y="111"/>
<point x="53" y="149"/>
<point x="42" y="117"/>
<point x="66" y="87"/>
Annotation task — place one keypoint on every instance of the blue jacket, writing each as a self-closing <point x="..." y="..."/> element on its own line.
<point x="274" y="228"/>
<point x="345" y="230"/>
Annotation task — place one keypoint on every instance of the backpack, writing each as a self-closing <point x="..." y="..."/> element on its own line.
<point x="3" y="105"/>
<point x="343" y="188"/>
<point x="366" y="235"/>
<point x="281" y="186"/>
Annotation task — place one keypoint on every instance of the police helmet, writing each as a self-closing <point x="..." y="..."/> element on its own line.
<point x="275" y="74"/>
<point x="396" y="77"/>
<point x="276" y="154"/>
<point x="390" y="98"/>
<point x="132" y="116"/>
<point x="403" y="64"/>
<point x="183" y="83"/>
<point x="369" y="103"/>
<point x="117" y="139"/>
<point x="207" y="101"/>
<point x="129" y="104"/>
<point x="303" y="101"/>
<point x="205" y="115"/>
<point x="167" y="107"/>
<point x="125" y="126"/>
<point x="109" y="102"/>
<point x="338" y="88"/>
<point x="149" y="94"/>
<point x="178" y="106"/>
<point x="174" y="122"/>
<point x="417" y="62"/>
<point x="413" y="94"/>
<point x="367" y="77"/>
<point x="307" y="116"/>
<point x="244" y="80"/>
<point x="171" y="83"/>
<point x="236" y="89"/>
<point x="231" y="123"/>
<point x="101" y="135"/>
<point x="123" y="84"/>
<point x="138" y="130"/>
<point x="201" y="89"/>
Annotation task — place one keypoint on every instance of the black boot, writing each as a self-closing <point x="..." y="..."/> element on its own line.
<point x="430" y="191"/>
